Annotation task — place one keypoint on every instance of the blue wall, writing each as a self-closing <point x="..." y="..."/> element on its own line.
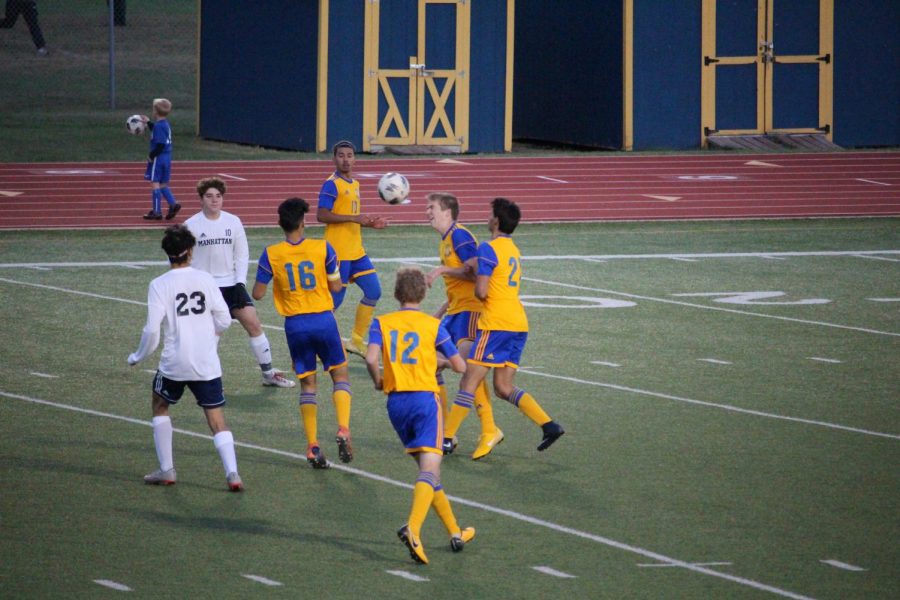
<point x="487" y="84"/>
<point x="568" y="72"/>
<point x="258" y="72"/>
<point x="867" y="73"/>
<point x="667" y="74"/>
<point x="346" y="23"/>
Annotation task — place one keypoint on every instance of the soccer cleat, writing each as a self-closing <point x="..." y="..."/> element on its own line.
<point x="234" y="482"/>
<point x="355" y="345"/>
<point x="416" y="551"/>
<point x="345" y="448"/>
<point x="277" y="379"/>
<point x="153" y="216"/>
<point x="458" y="542"/>
<point x="552" y="432"/>
<point x="487" y="443"/>
<point x="173" y="210"/>
<point x="160" y="477"/>
<point x="315" y="458"/>
<point x="449" y="445"/>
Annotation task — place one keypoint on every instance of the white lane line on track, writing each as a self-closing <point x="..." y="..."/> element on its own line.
<point x="471" y="503"/>
<point x="551" y="179"/>
<point x="871" y="181"/>
<point x="235" y="177"/>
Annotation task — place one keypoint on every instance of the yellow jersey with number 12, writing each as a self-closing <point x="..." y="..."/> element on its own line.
<point x="408" y="351"/>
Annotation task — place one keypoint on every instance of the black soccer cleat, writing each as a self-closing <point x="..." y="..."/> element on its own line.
<point x="448" y="446"/>
<point x="315" y="458"/>
<point x="153" y="216"/>
<point x="552" y="432"/>
<point x="173" y="210"/>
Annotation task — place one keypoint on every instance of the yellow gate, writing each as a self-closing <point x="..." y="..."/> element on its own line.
<point x="419" y="99"/>
<point x="767" y="67"/>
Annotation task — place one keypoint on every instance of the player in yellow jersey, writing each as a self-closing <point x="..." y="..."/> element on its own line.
<point x="407" y="343"/>
<point x="460" y="312"/>
<point x="339" y="210"/>
<point x="304" y="275"/>
<point x="503" y="326"/>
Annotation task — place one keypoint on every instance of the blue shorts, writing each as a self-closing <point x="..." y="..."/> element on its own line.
<point x="498" y="348"/>
<point x="418" y="420"/>
<point x="314" y="335"/>
<point x="461" y="326"/>
<point x="209" y="394"/>
<point x="351" y="269"/>
<point x="159" y="170"/>
<point x="236" y="296"/>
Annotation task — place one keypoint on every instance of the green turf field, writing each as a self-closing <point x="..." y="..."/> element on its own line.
<point x="719" y="444"/>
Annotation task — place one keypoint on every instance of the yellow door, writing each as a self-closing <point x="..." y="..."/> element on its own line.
<point x="417" y="75"/>
<point x="766" y="67"/>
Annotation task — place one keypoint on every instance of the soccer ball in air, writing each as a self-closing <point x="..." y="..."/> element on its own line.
<point x="135" y="125"/>
<point x="393" y="188"/>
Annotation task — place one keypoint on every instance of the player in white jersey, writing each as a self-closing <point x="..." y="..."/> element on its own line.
<point x="222" y="251"/>
<point x="188" y="305"/>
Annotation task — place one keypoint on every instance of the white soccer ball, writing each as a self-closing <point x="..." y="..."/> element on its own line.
<point x="393" y="188"/>
<point x="135" y="125"/>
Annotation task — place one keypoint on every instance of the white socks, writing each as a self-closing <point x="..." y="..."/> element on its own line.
<point x="162" y="439"/>
<point x="224" y="442"/>
<point x="261" y="350"/>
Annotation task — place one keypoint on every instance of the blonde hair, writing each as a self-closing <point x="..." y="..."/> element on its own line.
<point x="410" y="286"/>
<point x="162" y="106"/>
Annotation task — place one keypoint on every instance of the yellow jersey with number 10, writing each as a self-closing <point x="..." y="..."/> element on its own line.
<point x="346" y="238"/>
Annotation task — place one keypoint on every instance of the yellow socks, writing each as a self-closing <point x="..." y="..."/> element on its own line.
<point x="423" y="494"/>
<point x="484" y="409"/>
<point x="341" y="398"/>
<point x="308" y="415"/>
<point x="529" y="406"/>
<point x="361" y="325"/>
<point x="461" y="407"/>
<point x="441" y="505"/>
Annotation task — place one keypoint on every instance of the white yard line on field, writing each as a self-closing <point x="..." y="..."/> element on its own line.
<point x="484" y="507"/>
<point x="728" y="407"/>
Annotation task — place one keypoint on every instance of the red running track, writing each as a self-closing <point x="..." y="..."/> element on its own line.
<point x="571" y="188"/>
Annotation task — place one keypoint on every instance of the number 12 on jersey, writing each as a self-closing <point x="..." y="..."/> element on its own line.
<point x="410" y="343"/>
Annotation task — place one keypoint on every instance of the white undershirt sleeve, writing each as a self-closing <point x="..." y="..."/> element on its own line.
<point x="156" y="312"/>
<point x="241" y="256"/>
